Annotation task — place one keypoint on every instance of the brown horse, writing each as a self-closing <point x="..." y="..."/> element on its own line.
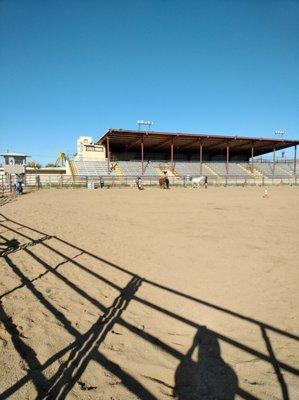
<point x="164" y="182"/>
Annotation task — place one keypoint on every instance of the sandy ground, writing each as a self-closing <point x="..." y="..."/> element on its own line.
<point x="120" y="294"/>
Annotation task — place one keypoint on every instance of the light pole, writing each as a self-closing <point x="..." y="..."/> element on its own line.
<point x="147" y="124"/>
<point x="142" y="122"/>
<point x="279" y="134"/>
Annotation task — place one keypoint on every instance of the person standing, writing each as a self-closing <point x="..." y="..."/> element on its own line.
<point x="206" y="182"/>
<point x="139" y="183"/>
<point x="19" y="185"/>
<point x="37" y="181"/>
<point x="166" y="180"/>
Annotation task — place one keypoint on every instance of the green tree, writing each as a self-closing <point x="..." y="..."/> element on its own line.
<point x="51" y="165"/>
<point x="34" y="164"/>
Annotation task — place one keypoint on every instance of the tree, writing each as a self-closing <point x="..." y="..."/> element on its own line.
<point x="51" y="165"/>
<point x="34" y="164"/>
<point x="61" y="158"/>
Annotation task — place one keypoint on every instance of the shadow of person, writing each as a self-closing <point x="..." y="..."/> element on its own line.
<point x="207" y="378"/>
<point x="6" y="245"/>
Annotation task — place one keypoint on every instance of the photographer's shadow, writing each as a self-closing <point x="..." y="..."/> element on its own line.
<point x="202" y="374"/>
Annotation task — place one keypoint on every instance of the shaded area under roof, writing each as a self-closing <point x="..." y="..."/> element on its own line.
<point x="122" y="140"/>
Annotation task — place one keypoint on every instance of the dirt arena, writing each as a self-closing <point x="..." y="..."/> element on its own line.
<point x="124" y="294"/>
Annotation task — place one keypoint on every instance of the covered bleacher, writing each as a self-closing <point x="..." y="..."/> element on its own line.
<point x="149" y="153"/>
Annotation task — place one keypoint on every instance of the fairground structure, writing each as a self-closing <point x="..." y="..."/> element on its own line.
<point x="171" y="147"/>
<point x="119" y="156"/>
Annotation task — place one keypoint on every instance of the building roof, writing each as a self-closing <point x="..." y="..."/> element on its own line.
<point x="14" y="154"/>
<point x="130" y="140"/>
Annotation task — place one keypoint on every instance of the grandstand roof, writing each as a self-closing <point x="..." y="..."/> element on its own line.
<point x="122" y="140"/>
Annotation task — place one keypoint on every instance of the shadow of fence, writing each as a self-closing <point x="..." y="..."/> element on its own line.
<point x="190" y="377"/>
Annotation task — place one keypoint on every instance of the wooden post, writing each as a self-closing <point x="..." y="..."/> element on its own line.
<point x="108" y="156"/>
<point x="171" y="155"/>
<point x="273" y="167"/>
<point x="252" y="155"/>
<point x="295" y="160"/>
<point x="227" y="157"/>
<point x="142" y="156"/>
<point x="200" y="157"/>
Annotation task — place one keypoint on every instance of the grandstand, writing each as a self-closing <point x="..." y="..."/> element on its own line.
<point x="119" y="156"/>
<point x="130" y="153"/>
<point x="127" y="153"/>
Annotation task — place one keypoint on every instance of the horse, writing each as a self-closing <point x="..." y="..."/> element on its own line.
<point x="198" y="181"/>
<point x="164" y="182"/>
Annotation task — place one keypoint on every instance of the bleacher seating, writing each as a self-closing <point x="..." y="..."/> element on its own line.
<point x="152" y="168"/>
<point x="288" y="168"/>
<point x="191" y="168"/>
<point x="130" y="168"/>
<point x="181" y="168"/>
<point x="247" y="167"/>
<point x="134" y="168"/>
<point x="234" y="169"/>
<point x="267" y="170"/>
<point x="92" y="168"/>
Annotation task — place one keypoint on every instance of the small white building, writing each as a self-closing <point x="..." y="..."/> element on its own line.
<point x="14" y="163"/>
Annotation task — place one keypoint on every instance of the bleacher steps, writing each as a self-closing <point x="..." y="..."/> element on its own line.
<point x="73" y="169"/>
<point x="210" y="169"/>
<point x="118" y="170"/>
<point x="248" y="171"/>
<point x="284" y="171"/>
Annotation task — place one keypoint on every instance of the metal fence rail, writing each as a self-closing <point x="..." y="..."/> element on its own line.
<point x="43" y="181"/>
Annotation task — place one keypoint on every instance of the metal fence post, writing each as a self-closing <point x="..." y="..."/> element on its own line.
<point x="10" y="183"/>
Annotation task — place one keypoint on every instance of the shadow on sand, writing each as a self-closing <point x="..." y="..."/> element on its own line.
<point x="202" y="374"/>
<point x="8" y="245"/>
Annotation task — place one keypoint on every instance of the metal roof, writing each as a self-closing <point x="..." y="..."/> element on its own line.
<point x="130" y="140"/>
<point x="14" y="155"/>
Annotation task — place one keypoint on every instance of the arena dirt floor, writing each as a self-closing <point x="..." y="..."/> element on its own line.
<point x="119" y="294"/>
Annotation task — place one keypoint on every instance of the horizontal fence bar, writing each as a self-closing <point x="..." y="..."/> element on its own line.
<point x="68" y="181"/>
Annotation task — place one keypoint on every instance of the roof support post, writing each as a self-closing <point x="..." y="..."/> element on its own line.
<point x="273" y="163"/>
<point x="200" y="157"/>
<point x="171" y="154"/>
<point x="252" y="155"/>
<point x="227" y="157"/>
<point x="295" y="159"/>
<point x="108" y="155"/>
<point x="142" y="155"/>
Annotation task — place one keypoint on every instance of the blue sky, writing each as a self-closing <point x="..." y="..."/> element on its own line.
<point x="78" y="67"/>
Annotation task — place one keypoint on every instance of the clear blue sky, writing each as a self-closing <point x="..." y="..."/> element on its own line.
<point x="79" y="67"/>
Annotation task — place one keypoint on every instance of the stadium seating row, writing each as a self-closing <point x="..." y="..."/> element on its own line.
<point x="181" y="168"/>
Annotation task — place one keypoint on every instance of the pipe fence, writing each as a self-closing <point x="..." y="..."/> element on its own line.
<point x="44" y="181"/>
